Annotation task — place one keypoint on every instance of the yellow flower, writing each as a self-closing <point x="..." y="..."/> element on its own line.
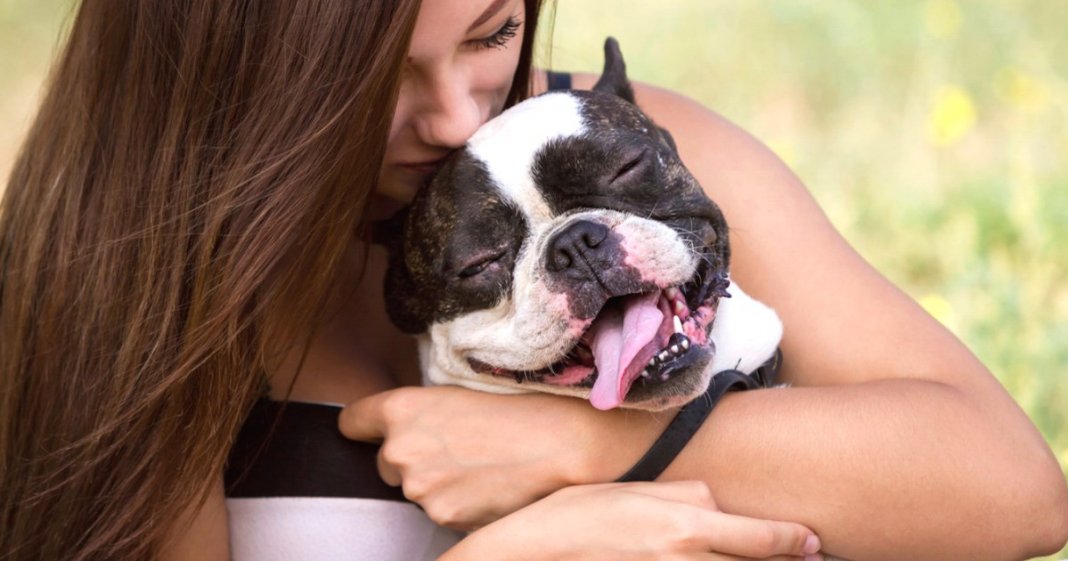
<point x="1021" y="89"/>
<point x="952" y="117"/>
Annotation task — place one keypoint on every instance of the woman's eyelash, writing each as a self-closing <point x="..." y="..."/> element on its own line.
<point x="502" y="36"/>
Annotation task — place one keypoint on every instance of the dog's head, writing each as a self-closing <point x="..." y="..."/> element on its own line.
<point x="565" y="249"/>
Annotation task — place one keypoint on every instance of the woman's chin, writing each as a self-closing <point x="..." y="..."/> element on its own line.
<point x="394" y="191"/>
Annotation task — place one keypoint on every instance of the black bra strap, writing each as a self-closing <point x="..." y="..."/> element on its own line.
<point x="295" y="449"/>
<point x="693" y="415"/>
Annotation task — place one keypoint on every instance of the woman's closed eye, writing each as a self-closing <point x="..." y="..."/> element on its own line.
<point x="501" y="37"/>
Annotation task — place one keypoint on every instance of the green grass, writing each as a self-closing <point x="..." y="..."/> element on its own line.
<point x="934" y="133"/>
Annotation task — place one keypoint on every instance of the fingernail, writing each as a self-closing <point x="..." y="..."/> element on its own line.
<point x="812" y="545"/>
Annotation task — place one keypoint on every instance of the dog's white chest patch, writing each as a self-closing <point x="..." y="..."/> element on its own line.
<point x="508" y="144"/>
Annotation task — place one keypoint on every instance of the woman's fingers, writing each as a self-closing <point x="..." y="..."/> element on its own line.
<point x="756" y="539"/>
<point x="721" y="557"/>
<point x="388" y="471"/>
<point x="695" y="493"/>
<point x="367" y="418"/>
<point x="683" y="513"/>
<point x="672" y="521"/>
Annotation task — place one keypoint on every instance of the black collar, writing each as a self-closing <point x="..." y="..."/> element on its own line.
<point x="693" y="415"/>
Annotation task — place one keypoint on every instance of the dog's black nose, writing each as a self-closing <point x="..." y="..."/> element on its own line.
<point x="568" y="247"/>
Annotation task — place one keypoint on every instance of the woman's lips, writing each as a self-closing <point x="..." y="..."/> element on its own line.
<point x="423" y="168"/>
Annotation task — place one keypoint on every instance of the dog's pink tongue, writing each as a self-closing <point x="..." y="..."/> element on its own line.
<point x="616" y="337"/>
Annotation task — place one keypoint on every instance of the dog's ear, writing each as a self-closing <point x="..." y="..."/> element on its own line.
<point x="614" y="78"/>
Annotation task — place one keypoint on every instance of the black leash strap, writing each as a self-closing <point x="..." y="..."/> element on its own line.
<point x="693" y="415"/>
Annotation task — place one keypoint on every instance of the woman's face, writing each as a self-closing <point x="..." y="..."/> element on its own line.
<point x="459" y="70"/>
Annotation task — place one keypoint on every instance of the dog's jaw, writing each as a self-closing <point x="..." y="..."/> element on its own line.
<point x="745" y="334"/>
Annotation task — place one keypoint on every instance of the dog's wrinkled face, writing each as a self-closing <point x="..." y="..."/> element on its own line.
<point x="565" y="249"/>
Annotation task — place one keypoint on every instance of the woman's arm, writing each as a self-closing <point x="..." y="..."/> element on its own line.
<point x="678" y="520"/>
<point x="893" y="424"/>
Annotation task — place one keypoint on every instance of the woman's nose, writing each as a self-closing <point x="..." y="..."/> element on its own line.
<point x="449" y="117"/>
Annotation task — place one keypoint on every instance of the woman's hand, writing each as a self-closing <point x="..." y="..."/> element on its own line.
<point x="634" y="521"/>
<point x="469" y="458"/>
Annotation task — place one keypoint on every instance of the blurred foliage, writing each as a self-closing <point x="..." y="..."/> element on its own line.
<point x="29" y="32"/>
<point x="933" y="132"/>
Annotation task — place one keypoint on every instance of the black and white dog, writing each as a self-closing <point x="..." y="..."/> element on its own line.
<point x="566" y="249"/>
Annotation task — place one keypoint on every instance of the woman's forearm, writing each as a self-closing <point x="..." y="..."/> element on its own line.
<point x="878" y="467"/>
<point x="905" y="468"/>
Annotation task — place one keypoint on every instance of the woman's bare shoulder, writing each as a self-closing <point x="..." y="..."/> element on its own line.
<point x="844" y="322"/>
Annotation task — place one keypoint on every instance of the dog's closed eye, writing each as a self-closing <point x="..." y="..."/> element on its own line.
<point x="479" y="265"/>
<point x="631" y="166"/>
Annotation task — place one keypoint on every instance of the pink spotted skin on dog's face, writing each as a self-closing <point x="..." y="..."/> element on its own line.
<point x="559" y="305"/>
<point x="645" y="252"/>
<point x="576" y="327"/>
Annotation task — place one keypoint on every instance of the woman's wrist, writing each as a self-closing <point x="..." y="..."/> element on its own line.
<point x="613" y="441"/>
<point x="491" y="543"/>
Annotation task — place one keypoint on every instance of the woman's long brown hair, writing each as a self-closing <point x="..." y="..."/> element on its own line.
<point x="175" y="221"/>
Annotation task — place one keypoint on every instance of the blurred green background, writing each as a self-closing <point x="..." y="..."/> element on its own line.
<point x="933" y="132"/>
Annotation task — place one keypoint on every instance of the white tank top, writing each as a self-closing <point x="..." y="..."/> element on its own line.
<point x="304" y="528"/>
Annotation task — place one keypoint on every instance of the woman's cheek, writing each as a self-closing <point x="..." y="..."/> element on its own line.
<point x="492" y="77"/>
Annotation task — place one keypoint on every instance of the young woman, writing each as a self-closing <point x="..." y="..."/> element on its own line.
<point x="186" y="225"/>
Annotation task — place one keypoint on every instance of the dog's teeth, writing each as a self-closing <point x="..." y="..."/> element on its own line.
<point x="663" y="356"/>
<point x="664" y="377"/>
<point x="678" y="324"/>
<point x="680" y="308"/>
<point x="672" y="293"/>
<point x="678" y="343"/>
<point x="653" y="362"/>
<point x="645" y="373"/>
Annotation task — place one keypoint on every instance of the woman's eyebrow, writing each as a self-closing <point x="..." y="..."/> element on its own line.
<point x="486" y="15"/>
